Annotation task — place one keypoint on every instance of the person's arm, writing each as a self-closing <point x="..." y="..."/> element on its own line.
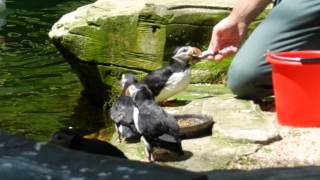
<point x="227" y="34"/>
<point x="247" y="10"/>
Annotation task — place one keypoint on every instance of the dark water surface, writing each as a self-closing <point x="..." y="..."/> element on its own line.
<point x="39" y="93"/>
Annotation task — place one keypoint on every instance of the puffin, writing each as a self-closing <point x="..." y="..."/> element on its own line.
<point x="158" y="129"/>
<point x="68" y="139"/>
<point x="168" y="81"/>
<point x="121" y="112"/>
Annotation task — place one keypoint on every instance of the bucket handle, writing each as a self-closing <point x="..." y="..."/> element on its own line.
<point x="302" y="60"/>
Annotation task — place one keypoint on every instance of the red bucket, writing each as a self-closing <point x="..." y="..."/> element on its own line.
<point x="296" y="85"/>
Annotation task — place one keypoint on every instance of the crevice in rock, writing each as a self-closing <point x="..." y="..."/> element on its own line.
<point x="269" y="141"/>
<point x="242" y="157"/>
<point x="155" y="28"/>
<point x="78" y="34"/>
<point x="196" y="25"/>
<point x="158" y="24"/>
<point x="110" y="64"/>
<point x="91" y="23"/>
<point x="199" y="7"/>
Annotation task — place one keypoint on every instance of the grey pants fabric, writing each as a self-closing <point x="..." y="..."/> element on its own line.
<point x="291" y="25"/>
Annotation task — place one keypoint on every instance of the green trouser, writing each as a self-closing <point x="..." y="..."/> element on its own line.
<point x="291" y="25"/>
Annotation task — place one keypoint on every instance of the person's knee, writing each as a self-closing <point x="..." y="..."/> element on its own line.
<point x="239" y="83"/>
<point x="249" y="84"/>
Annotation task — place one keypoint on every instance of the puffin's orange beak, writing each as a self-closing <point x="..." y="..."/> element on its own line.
<point x="196" y="52"/>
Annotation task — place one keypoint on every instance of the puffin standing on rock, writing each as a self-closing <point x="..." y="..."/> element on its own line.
<point x="158" y="129"/>
<point x="121" y="112"/>
<point x="175" y="77"/>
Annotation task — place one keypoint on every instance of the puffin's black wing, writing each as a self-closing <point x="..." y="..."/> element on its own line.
<point x="129" y="131"/>
<point x="157" y="79"/>
<point x="121" y="111"/>
<point x="167" y="142"/>
<point x="159" y="128"/>
<point x="154" y="122"/>
<point x="168" y="138"/>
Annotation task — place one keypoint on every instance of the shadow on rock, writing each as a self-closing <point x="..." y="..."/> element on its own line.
<point x="266" y="104"/>
<point x="165" y="156"/>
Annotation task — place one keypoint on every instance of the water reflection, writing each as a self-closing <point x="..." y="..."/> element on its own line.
<point x="38" y="92"/>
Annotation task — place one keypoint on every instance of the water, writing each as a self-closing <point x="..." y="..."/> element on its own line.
<point x="39" y="93"/>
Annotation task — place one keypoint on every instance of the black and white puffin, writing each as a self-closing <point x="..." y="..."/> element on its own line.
<point x="121" y="112"/>
<point x="158" y="129"/>
<point x="68" y="139"/>
<point x="175" y="77"/>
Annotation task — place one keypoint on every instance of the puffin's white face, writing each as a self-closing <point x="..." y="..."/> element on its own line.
<point x="186" y="50"/>
<point x="127" y="79"/>
<point x="186" y="53"/>
<point x="132" y="90"/>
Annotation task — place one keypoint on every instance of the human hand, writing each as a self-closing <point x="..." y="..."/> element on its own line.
<point x="226" y="37"/>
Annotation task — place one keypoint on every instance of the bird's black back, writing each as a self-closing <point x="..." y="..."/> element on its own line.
<point x="155" y="123"/>
<point x="121" y="111"/>
<point x="130" y="132"/>
<point x="156" y="80"/>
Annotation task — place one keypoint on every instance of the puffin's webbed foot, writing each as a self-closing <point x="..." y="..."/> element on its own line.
<point x="119" y="139"/>
<point x="150" y="158"/>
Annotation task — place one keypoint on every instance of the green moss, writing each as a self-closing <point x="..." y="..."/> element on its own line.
<point x="199" y="18"/>
<point x="198" y="91"/>
<point x="111" y="75"/>
<point x="117" y="41"/>
<point x="211" y="71"/>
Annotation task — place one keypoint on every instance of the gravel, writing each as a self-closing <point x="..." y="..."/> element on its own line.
<point x="298" y="147"/>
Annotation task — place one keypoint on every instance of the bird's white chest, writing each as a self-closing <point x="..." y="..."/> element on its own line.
<point x="136" y="118"/>
<point x="121" y="129"/>
<point x="176" y="83"/>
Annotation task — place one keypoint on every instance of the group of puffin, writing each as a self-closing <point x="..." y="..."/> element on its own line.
<point x="137" y="112"/>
